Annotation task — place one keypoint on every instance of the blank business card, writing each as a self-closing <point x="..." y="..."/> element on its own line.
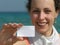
<point x="26" y="31"/>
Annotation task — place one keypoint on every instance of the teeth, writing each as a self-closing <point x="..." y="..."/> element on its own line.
<point x="42" y="23"/>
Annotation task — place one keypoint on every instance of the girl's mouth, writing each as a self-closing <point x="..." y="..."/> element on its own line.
<point x="41" y="23"/>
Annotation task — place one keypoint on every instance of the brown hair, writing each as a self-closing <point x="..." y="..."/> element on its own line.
<point x="57" y="5"/>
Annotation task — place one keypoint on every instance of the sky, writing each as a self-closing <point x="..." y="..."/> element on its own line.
<point x="13" y="5"/>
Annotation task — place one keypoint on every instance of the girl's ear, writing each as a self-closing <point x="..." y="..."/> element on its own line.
<point x="57" y="13"/>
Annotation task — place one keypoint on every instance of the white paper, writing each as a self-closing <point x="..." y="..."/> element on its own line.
<point x="26" y="31"/>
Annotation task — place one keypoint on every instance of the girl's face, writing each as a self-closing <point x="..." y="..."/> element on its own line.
<point x="43" y="14"/>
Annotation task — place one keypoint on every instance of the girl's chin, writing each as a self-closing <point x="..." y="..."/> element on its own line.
<point x="42" y="30"/>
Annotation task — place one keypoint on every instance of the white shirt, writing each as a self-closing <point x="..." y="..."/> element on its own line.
<point x="42" y="40"/>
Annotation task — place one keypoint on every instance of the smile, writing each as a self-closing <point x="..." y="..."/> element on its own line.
<point x="41" y="23"/>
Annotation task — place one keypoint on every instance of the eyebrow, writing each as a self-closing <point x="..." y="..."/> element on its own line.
<point x="46" y="8"/>
<point x="36" y="8"/>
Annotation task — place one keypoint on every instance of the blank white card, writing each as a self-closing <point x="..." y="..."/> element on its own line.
<point x="26" y="31"/>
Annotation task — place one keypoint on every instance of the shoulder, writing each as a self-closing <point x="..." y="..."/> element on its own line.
<point x="59" y="34"/>
<point x="57" y="42"/>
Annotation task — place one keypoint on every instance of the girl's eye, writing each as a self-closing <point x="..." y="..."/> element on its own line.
<point x="36" y="11"/>
<point x="47" y="11"/>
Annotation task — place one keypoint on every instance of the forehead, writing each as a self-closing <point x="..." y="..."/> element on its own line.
<point x="43" y="3"/>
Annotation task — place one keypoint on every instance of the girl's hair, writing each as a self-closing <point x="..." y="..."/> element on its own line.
<point x="57" y="5"/>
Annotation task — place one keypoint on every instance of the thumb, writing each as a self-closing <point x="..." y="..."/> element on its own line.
<point x="21" y="38"/>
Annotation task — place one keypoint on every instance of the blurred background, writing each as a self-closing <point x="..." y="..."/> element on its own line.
<point x="15" y="11"/>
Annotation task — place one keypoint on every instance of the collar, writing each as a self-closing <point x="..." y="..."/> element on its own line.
<point x="42" y="40"/>
<point x="52" y="38"/>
